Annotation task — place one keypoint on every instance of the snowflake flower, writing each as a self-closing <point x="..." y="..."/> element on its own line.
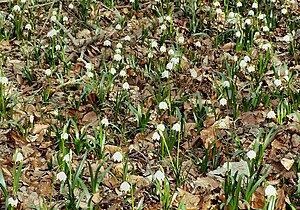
<point x="176" y="127"/>
<point x="156" y="136"/>
<point x="161" y="127"/>
<point x="270" y="191"/>
<point x="163" y="105"/>
<point x="159" y="175"/>
<point x="12" y="202"/>
<point x="251" y="154"/>
<point x="223" y="101"/>
<point x="117" y="157"/>
<point x="271" y="115"/>
<point x="125" y="186"/>
<point x="61" y="176"/>
<point x="125" y="86"/>
<point x="107" y="43"/>
<point x="104" y="121"/>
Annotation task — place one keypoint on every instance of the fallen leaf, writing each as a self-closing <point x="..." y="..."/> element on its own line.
<point x="287" y="163"/>
<point x="191" y="201"/>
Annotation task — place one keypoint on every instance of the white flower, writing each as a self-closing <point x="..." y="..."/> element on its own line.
<point x="163" y="105"/>
<point x="198" y="44"/>
<point x="171" y="52"/>
<point x="88" y="66"/>
<point x="28" y="26"/>
<point x="251" y="13"/>
<point x="266" y="29"/>
<point x="67" y="158"/>
<point x="125" y="186"/>
<point x="4" y="80"/>
<point x="18" y="156"/>
<point x="261" y="16"/>
<point x="53" y="18"/>
<point x="105" y="122"/>
<point x="161" y="127"/>
<point x="216" y="4"/>
<point x="71" y="6"/>
<point x="107" y="43"/>
<point x="243" y="64"/>
<point x="248" y="21"/>
<point x="16" y="8"/>
<point x="247" y="58"/>
<point x="163" y="49"/>
<point x="89" y="74"/>
<point x="127" y="38"/>
<point x="219" y="11"/>
<point x="193" y="73"/>
<point x="23" y="1"/>
<point x="165" y="74"/>
<point x="270" y="191"/>
<point x="123" y="73"/>
<point x="254" y="5"/>
<point x="48" y="72"/>
<point x="61" y="176"/>
<point x="251" y="154"/>
<point x="57" y="47"/>
<point x="126" y="86"/>
<point x="271" y="115"/>
<point x="159" y="175"/>
<point x="239" y="4"/>
<point x="150" y="55"/>
<point x="284" y="11"/>
<point x="118" y="27"/>
<point x="175" y="60"/>
<point x="180" y="40"/>
<point x="12" y="202"/>
<point x="117" y="157"/>
<point x="277" y="82"/>
<point x="163" y="27"/>
<point x="223" y="101"/>
<point x="52" y="33"/>
<point x="222" y="124"/>
<point x="154" y="44"/>
<point x="266" y="46"/>
<point x="117" y="51"/>
<point x="113" y="71"/>
<point x="156" y="136"/>
<point x="287" y="38"/>
<point x="31" y="119"/>
<point x="176" y="127"/>
<point x="65" y="19"/>
<point x="170" y="66"/>
<point x="64" y="136"/>
<point x="226" y="84"/>
<point x="119" y="45"/>
<point x="251" y="68"/>
<point x="168" y="18"/>
<point x="117" y="57"/>
<point x="238" y="34"/>
<point x="131" y="1"/>
<point x="286" y="77"/>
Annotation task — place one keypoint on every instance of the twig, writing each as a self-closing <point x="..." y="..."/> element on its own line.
<point x="73" y="40"/>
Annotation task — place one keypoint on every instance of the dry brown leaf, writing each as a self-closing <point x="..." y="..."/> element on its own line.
<point x="287" y="163"/>
<point x="280" y="202"/>
<point x="39" y="128"/>
<point x="90" y="117"/>
<point x="228" y="46"/>
<point x="208" y="136"/>
<point x="206" y="184"/>
<point x="258" y="198"/>
<point x="191" y="201"/>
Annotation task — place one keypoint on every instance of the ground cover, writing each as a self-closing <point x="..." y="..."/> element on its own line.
<point x="161" y="104"/>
